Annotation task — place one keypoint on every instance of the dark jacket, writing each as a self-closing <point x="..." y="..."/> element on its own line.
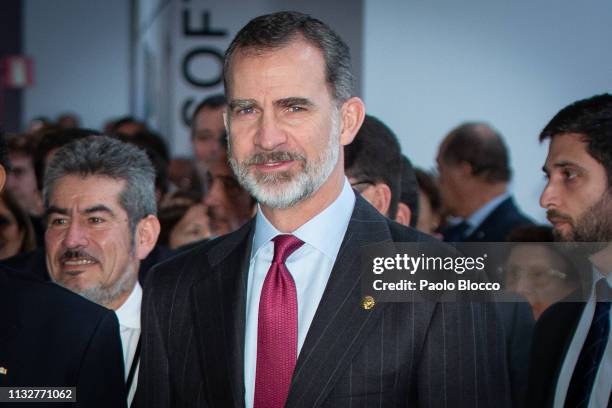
<point x="52" y="337"/>
<point x="421" y="354"/>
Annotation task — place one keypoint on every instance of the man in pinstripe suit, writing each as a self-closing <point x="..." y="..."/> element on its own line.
<point x="207" y="313"/>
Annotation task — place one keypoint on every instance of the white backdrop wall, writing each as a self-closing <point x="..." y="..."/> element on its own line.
<point x="430" y="65"/>
<point x="81" y="55"/>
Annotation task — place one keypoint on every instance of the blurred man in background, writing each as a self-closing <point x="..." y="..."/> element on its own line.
<point x="373" y="163"/>
<point x="474" y="171"/>
<point x="207" y="132"/>
<point x="21" y="178"/>
<point x="430" y="204"/>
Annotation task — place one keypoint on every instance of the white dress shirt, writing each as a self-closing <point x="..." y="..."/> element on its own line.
<point x="310" y="266"/>
<point x="603" y="379"/>
<point x="129" y="329"/>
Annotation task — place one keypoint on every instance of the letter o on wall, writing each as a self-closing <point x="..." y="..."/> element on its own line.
<point x="202" y="52"/>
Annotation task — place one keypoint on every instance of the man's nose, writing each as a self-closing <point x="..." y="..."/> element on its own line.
<point x="269" y="134"/>
<point x="76" y="236"/>
<point x="549" y="197"/>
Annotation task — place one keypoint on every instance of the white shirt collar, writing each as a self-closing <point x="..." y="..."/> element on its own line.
<point x="333" y="221"/>
<point x="129" y="312"/>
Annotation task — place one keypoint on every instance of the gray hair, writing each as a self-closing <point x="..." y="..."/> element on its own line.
<point x="108" y="157"/>
<point x="273" y="31"/>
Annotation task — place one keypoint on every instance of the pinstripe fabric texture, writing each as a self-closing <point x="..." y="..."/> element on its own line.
<point x="422" y="354"/>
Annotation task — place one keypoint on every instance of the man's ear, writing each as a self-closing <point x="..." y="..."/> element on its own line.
<point x="2" y="177"/>
<point x="147" y="232"/>
<point x="379" y="195"/>
<point x="403" y="214"/>
<point x="352" y="114"/>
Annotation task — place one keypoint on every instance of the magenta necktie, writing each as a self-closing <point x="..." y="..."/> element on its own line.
<point x="277" y="329"/>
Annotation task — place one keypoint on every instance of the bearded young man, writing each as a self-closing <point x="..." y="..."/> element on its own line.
<point x="270" y="315"/>
<point x="571" y="363"/>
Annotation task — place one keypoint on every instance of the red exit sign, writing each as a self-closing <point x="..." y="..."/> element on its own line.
<point x="17" y="71"/>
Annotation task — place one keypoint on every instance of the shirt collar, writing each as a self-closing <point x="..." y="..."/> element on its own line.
<point x="129" y="312"/>
<point x="483" y="212"/>
<point x="333" y="221"/>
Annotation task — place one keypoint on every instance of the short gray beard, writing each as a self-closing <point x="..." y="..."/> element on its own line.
<point x="107" y="295"/>
<point x="284" y="189"/>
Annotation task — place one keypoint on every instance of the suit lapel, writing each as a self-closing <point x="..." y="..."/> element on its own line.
<point x="220" y="327"/>
<point x="340" y="324"/>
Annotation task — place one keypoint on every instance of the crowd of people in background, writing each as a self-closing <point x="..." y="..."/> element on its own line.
<point x="117" y="199"/>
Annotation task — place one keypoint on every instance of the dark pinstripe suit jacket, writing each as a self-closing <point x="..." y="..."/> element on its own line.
<point x="397" y="354"/>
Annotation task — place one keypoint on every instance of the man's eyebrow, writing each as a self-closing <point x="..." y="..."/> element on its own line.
<point x="242" y="103"/>
<point x="55" y="210"/>
<point x="566" y="163"/>
<point x="562" y="164"/>
<point x="286" y="102"/>
<point x="99" y="208"/>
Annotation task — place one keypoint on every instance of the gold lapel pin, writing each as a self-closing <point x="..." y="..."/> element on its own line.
<point x="3" y="371"/>
<point x="367" y="302"/>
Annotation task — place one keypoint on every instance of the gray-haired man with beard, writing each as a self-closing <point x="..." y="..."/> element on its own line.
<point x="272" y="315"/>
<point x="571" y="363"/>
<point x="99" y="196"/>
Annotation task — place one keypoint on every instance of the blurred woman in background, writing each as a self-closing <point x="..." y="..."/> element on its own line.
<point x="16" y="232"/>
<point x="184" y="220"/>
<point x="537" y="269"/>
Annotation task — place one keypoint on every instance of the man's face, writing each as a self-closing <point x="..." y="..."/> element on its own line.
<point x="284" y="125"/>
<point x="208" y="129"/>
<point x="229" y="205"/>
<point x="21" y="181"/>
<point x="576" y="197"/>
<point x="89" y="245"/>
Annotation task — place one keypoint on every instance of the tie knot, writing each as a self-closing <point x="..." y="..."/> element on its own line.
<point x="285" y="245"/>
<point x="602" y="291"/>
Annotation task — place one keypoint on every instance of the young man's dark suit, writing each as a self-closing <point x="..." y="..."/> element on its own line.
<point x="52" y="337"/>
<point x="554" y="332"/>
<point x="397" y="354"/>
<point x="553" y="335"/>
